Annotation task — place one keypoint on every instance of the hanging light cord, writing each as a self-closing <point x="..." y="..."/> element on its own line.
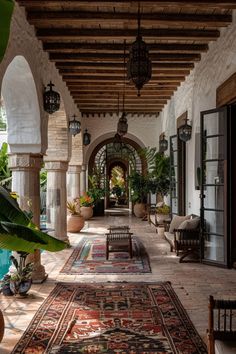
<point x="124" y="78"/>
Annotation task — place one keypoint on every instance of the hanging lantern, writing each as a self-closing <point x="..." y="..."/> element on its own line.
<point x="51" y="99"/>
<point x="86" y="137"/>
<point x="185" y="131"/>
<point x="117" y="143"/>
<point x="139" y="66"/>
<point x="74" y="126"/>
<point x="122" y="126"/>
<point x="163" y="144"/>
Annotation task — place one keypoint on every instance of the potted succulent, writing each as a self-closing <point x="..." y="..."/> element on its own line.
<point x="75" y="221"/>
<point x="18" y="233"/>
<point x="86" y="206"/>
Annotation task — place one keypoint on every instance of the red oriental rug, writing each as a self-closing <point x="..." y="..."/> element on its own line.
<point x="89" y="257"/>
<point x="112" y="318"/>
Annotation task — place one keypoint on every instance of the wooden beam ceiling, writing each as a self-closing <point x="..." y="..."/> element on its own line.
<point x="85" y="39"/>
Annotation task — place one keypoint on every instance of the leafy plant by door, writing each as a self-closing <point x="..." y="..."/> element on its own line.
<point x="5" y="173"/>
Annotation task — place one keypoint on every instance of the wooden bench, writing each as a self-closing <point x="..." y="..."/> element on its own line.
<point x="221" y="331"/>
<point x="119" y="239"/>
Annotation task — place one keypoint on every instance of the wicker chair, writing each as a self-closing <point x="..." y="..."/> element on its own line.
<point x="221" y="331"/>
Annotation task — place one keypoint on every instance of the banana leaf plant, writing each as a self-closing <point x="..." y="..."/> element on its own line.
<point x="18" y="233"/>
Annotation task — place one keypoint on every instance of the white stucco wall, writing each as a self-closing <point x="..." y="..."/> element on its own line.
<point x="197" y="94"/>
<point x="23" y="42"/>
<point x="142" y="129"/>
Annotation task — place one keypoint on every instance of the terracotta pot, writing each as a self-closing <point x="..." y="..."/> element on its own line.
<point x="75" y="223"/>
<point x="86" y="212"/>
<point x="1" y="326"/>
<point x="140" y="210"/>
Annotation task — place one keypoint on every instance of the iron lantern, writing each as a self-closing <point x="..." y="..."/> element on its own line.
<point x="74" y="126"/>
<point x="163" y="144"/>
<point x="51" y="99"/>
<point x="117" y="143"/>
<point x="86" y="138"/>
<point x="185" y="131"/>
<point x="122" y="126"/>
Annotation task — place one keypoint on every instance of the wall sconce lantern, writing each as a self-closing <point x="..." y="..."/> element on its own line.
<point x="122" y="126"/>
<point x="51" y="99"/>
<point x="86" y="138"/>
<point x="117" y="143"/>
<point x="185" y="131"/>
<point x="163" y="144"/>
<point x="74" y="126"/>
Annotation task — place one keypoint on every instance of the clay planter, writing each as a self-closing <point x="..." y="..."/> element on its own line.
<point x="86" y="212"/>
<point x="139" y="210"/>
<point x="75" y="223"/>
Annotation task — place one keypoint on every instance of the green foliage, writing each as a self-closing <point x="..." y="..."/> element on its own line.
<point x="6" y="7"/>
<point x="19" y="233"/>
<point x="158" y="170"/>
<point x="96" y="191"/>
<point x="43" y="180"/>
<point x="164" y="209"/>
<point x="5" y="173"/>
<point x="22" y="271"/>
<point x="73" y="207"/>
<point x="139" y="187"/>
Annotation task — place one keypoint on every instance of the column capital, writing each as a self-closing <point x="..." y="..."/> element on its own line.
<point x="22" y="162"/>
<point x="74" y="168"/>
<point x="56" y="166"/>
<point x="84" y="167"/>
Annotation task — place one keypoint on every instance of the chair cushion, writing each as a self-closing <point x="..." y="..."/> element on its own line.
<point x="169" y="237"/>
<point x="177" y="220"/>
<point x="225" y="347"/>
<point x="190" y="224"/>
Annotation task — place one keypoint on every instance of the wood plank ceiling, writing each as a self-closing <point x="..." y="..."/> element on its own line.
<point x="85" y="39"/>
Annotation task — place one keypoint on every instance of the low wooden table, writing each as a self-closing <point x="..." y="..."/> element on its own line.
<point x="119" y="239"/>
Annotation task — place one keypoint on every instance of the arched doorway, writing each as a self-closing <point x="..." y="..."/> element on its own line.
<point x="106" y="156"/>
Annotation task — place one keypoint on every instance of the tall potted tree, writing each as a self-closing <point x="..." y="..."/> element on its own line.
<point x="139" y="189"/>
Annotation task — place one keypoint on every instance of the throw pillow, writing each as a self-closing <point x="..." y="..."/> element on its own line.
<point x="177" y="220"/>
<point x="190" y="224"/>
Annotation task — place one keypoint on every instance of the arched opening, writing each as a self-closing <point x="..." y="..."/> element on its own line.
<point x="22" y="108"/>
<point x="104" y="158"/>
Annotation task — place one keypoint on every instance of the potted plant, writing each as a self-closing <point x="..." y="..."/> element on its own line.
<point x="139" y="190"/>
<point x="75" y="221"/>
<point x="162" y="212"/>
<point x="86" y="206"/>
<point x="18" y="233"/>
<point x="97" y="192"/>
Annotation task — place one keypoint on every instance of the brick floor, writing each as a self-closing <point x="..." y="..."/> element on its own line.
<point x="193" y="282"/>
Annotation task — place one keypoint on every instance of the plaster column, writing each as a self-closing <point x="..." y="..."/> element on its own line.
<point x="56" y="198"/>
<point x="26" y="183"/>
<point x="73" y="181"/>
<point x="83" y="179"/>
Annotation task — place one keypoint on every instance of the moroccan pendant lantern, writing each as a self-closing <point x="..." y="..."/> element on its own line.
<point x="185" y="131"/>
<point x="139" y="66"/>
<point x="51" y="99"/>
<point x="74" y="126"/>
<point x="163" y="144"/>
<point x="117" y="143"/>
<point x="86" y="138"/>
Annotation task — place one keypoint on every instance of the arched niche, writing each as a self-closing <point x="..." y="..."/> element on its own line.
<point x="22" y="108"/>
<point x="59" y="142"/>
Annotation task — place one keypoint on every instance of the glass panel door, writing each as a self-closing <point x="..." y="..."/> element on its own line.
<point x="214" y="185"/>
<point x="174" y="175"/>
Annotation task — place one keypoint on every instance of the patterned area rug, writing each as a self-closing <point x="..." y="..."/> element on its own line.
<point x="113" y="318"/>
<point x="90" y="258"/>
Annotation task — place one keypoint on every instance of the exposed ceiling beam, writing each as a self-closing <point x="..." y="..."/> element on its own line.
<point x="87" y="78"/>
<point x="120" y="66"/>
<point x="102" y="57"/>
<point x="70" y="47"/>
<point x="112" y="73"/>
<point x="114" y="33"/>
<point x="75" y="18"/>
<point x="124" y="3"/>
